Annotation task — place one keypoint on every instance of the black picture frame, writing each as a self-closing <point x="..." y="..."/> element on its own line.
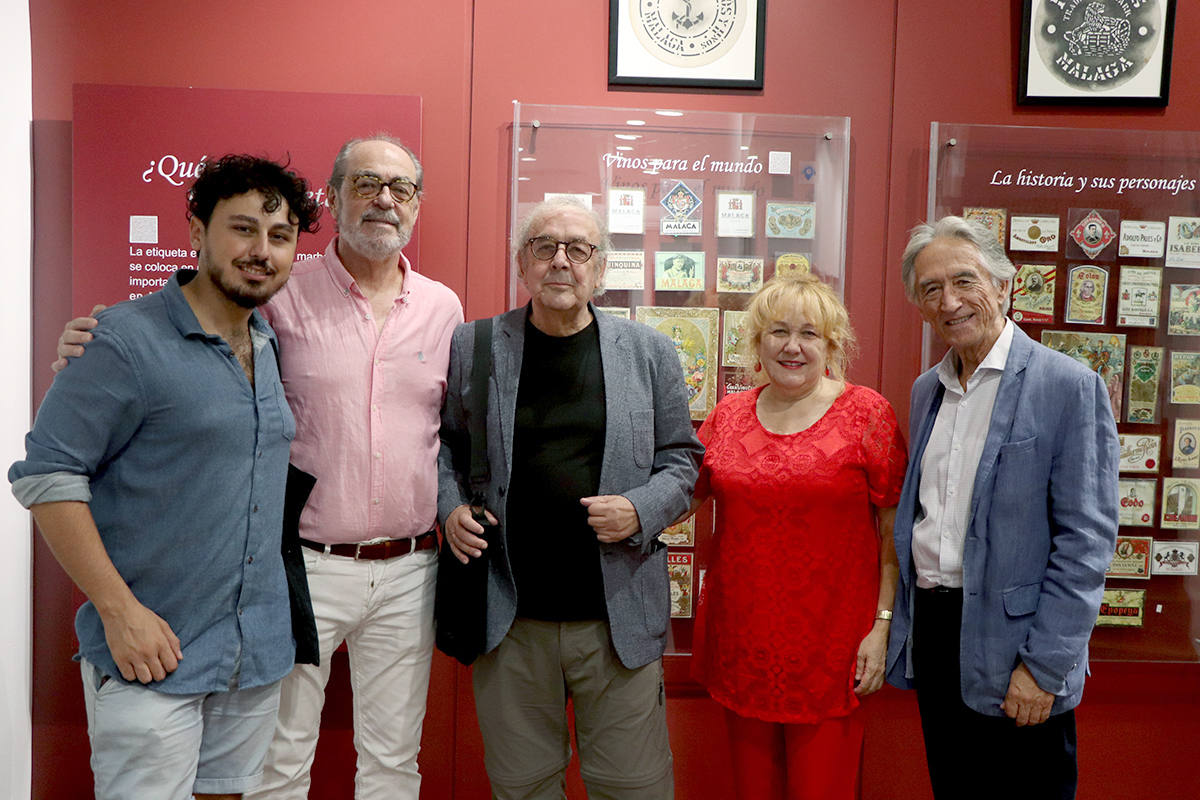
<point x="1073" y="54"/>
<point x="654" y="54"/>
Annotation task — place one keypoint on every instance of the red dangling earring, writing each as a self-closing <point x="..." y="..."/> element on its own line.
<point x="758" y="366"/>
<point x="827" y="372"/>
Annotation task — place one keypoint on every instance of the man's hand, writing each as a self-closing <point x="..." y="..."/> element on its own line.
<point x="612" y="517"/>
<point x="872" y="656"/>
<point x="464" y="534"/>
<point x="142" y="643"/>
<point x="74" y="336"/>
<point x="1025" y="701"/>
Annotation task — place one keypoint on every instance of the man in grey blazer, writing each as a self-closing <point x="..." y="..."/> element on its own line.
<point x="1006" y="523"/>
<point x="591" y="454"/>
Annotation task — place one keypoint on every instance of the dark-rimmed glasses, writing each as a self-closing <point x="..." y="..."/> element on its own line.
<point x="544" y="248"/>
<point x="369" y="186"/>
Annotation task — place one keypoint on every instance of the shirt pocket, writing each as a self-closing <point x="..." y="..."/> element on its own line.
<point x="642" y="429"/>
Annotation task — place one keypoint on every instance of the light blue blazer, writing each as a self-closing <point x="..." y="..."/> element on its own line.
<point x="651" y="456"/>
<point x="1042" y="529"/>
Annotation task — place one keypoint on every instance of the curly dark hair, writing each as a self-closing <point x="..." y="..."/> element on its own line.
<point x="234" y="174"/>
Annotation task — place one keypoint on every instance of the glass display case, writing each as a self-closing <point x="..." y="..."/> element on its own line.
<point x="703" y="207"/>
<point x="1104" y="229"/>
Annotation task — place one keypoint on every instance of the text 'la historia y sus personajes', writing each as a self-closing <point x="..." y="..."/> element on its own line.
<point x="1078" y="183"/>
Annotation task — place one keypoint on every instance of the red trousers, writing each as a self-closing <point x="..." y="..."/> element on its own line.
<point x="783" y="761"/>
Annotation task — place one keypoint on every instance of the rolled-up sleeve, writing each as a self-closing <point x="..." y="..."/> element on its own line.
<point x="89" y="414"/>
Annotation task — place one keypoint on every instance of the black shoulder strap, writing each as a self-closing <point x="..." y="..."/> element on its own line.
<point x="481" y="366"/>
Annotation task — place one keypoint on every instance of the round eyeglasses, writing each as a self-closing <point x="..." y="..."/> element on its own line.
<point x="369" y="186"/>
<point x="544" y="248"/>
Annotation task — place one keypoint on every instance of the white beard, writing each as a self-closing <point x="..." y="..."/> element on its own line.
<point x="377" y="247"/>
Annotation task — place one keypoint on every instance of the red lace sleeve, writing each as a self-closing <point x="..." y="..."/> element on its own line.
<point x="705" y="435"/>
<point x="886" y="453"/>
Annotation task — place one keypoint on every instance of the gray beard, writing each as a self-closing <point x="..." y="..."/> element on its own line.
<point x="376" y="249"/>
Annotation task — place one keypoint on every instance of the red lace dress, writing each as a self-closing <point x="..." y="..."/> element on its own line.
<point x="793" y="578"/>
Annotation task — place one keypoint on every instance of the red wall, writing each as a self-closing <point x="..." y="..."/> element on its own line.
<point x="891" y="66"/>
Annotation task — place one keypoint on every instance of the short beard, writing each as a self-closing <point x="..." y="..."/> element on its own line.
<point x="373" y="248"/>
<point x="243" y="298"/>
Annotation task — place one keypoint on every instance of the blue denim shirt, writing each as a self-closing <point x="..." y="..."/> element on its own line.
<point x="184" y="465"/>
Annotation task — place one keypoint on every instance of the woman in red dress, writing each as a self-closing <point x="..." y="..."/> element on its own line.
<point x="792" y="624"/>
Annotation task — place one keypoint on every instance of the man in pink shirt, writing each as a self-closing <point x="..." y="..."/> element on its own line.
<point x="364" y="348"/>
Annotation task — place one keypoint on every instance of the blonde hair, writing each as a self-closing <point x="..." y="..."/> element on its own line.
<point x="781" y="299"/>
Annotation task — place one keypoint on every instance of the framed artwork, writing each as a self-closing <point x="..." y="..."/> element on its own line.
<point x="994" y="219"/>
<point x="1139" y="452"/>
<point x="791" y="220"/>
<point x="732" y="333"/>
<point x="1181" y="503"/>
<point x="1083" y="52"/>
<point x="625" y="269"/>
<point x="1175" y="558"/>
<point x="713" y="43"/>
<point x="1145" y="370"/>
<point x="1122" y="608"/>
<point x="679" y="573"/>
<point x="1186" y="449"/>
<point x="1033" y="293"/>
<point x="1185" y="377"/>
<point x="739" y="275"/>
<point x="676" y="271"/>
<point x="1103" y="353"/>
<point x="735" y="214"/>
<point x="1137" y="501"/>
<point x="626" y="210"/>
<point x="1131" y="559"/>
<point x="1183" y="311"/>
<point x="682" y="534"/>
<point x="1087" y="295"/>
<point x="695" y="334"/>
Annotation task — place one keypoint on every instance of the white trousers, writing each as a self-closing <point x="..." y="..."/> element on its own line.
<point x="383" y="610"/>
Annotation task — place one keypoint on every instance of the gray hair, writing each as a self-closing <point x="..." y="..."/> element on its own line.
<point x="991" y="252"/>
<point x="546" y="208"/>
<point x="343" y="156"/>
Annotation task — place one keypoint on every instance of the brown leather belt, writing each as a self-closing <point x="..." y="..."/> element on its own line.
<point x="376" y="551"/>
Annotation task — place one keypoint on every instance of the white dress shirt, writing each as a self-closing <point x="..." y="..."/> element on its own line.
<point x="949" y="464"/>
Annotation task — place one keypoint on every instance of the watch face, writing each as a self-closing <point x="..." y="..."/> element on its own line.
<point x="688" y="34"/>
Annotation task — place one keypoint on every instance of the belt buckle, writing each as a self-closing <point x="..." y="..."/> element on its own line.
<point x="357" y="550"/>
<point x="412" y="544"/>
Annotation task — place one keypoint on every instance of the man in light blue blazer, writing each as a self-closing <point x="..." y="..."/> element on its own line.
<point x="1005" y="527"/>
<point x="591" y="453"/>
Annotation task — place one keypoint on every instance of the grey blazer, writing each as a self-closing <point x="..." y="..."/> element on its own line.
<point x="651" y="456"/>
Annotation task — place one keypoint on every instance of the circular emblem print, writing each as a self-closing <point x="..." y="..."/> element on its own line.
<point x="688" y="34"/>
<point x="1096" y="45"/>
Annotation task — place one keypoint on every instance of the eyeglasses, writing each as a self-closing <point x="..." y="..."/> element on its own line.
<point x="369" y="186"/>
<point x="544" y="248"/>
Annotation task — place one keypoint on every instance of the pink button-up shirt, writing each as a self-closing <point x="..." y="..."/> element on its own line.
<point x="366" y="402"/>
